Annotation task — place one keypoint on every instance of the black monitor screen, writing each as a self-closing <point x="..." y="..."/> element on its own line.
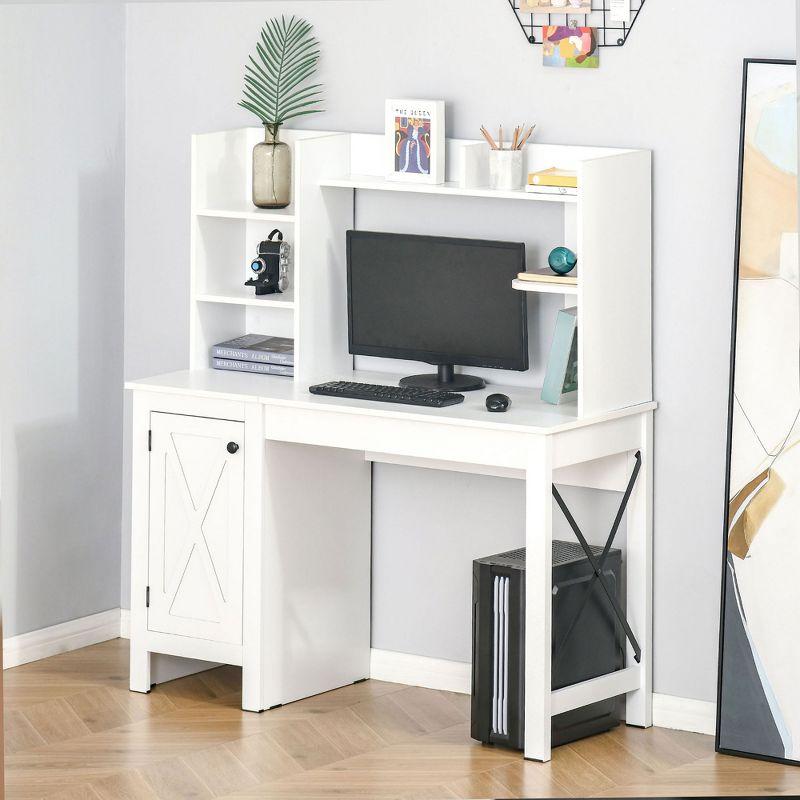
<point x="436" y="300"/>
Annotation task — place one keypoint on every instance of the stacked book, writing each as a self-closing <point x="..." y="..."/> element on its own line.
<point x="268" y="355"/>
<point x="548" y="277"/>
<point x="553" y="181"/>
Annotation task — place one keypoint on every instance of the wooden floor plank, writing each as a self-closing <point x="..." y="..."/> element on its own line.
<point x="528" y="779"/>
<point x="19" y="733"/>
<point x="351" y="735"/>
<point x="189" y="691"/>
<point x="575" y="774"/>
<point x="388" y="720"/>
<point x="609" y="757"/>
<point x="55" y="721"/>
<point x="175" y="780"/>
<point x="124" y="786"/>
<point x="306" y="745"/>
<point x="264" y="758"/>
<point x="659" y="749"/>
<point x="98" y="710"/>
<point x="428" y="793"/>
<point x="139" y="706"/>
<point x="220" y="770"/>
<point x="83" y="792"/>
<point x="479" y="784"/>
<point x="430" y="709"/>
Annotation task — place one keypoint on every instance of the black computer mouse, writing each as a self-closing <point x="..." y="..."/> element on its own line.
<point x="498" y="402"/>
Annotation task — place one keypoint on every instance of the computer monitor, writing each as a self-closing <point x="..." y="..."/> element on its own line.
<point x="437" y="300"/>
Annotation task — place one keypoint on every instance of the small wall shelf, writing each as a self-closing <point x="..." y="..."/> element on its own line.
<point x="544" y="288"/>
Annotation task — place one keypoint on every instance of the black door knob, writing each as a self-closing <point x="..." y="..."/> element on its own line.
<point x="233" y="447"/>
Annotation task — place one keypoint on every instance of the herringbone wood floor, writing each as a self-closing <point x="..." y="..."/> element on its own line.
<point x="74" y="732"/>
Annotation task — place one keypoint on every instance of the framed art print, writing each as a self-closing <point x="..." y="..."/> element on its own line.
<point x="758" y="708"/>
<point x="415" y="140"/>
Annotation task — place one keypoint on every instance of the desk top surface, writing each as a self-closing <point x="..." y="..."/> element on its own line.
<point x="527" y="413"/>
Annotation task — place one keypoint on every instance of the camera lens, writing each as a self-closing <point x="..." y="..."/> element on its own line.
<point x="256" y="266"/>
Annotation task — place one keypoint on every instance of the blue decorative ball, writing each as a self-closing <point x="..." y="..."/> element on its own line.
<point x="562" y="260"/>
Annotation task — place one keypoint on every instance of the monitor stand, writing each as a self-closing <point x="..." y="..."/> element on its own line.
<point x="446" y="380"/>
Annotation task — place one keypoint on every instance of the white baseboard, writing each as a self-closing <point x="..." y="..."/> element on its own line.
<point x="77" y="633"/>
<point x="678" y="713"/>
<point x="430" y="673"/>
<point x="61" y="638"/>
<point x="684" y="714"/>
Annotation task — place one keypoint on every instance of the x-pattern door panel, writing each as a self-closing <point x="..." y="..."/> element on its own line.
<point x="196" y="527"/>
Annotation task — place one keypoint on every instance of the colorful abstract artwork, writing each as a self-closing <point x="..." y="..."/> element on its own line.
<point x="412" y="149"/>
<point x="566" y="46"/>
<point x="759" y="691"/>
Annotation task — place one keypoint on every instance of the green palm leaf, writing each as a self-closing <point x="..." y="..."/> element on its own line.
<point x="275" y="88"/>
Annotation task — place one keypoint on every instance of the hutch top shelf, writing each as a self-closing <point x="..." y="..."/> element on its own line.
<point x="451" y="188"/>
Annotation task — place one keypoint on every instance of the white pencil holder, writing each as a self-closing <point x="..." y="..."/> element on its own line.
<point x="505" y="170"/>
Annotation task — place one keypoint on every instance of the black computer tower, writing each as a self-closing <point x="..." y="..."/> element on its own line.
<point x="587" y="642"/>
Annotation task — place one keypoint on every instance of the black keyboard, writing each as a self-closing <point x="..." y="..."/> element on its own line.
<point x="433" y="398"/>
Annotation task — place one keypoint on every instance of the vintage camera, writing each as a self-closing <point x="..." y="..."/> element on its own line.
<point x="271" y="266"/>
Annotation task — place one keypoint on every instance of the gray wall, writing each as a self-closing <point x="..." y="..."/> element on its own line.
<point x="62" y="83"/>
<point x="665" y="90"/>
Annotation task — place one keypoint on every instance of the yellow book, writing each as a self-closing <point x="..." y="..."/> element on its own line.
<point x="548" y="277"/>
<point x="554" y="177"/>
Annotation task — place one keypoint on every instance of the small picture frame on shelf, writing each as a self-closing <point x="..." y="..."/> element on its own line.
<point x="415" y="141"/>
<point x="561" y="378"/>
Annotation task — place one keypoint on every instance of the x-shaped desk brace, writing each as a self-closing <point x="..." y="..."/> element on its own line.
<point x="597" y="566"/>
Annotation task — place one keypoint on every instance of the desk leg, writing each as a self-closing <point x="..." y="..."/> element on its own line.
<point x="538" y="599"/>
<point x="639" y="575"/>
<point x="139" y="676"/>
<point x="253" y="662"/>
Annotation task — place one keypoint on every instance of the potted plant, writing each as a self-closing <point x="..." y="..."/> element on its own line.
<point x="276" y="90"/>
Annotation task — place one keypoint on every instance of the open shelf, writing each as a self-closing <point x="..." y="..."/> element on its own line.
<point x="284" y="300"/>
<point x="451" y="188"/>
<point x="544" y="288"/>
<point x="251" y="213"/>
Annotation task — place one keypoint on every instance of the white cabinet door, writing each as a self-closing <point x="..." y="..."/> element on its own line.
<point x="196" y="527"/>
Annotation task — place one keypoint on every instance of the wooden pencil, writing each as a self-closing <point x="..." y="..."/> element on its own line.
<point x="525" y="139"/>
<point x="488" y="137"/>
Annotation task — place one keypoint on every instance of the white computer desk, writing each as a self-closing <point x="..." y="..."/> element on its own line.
<point x="302" y="500"/>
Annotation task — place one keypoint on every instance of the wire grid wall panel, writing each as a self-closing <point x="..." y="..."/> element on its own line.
<point x="609" y="34"/>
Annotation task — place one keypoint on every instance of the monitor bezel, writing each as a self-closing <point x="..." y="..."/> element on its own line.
<point x="517" y="364"/>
